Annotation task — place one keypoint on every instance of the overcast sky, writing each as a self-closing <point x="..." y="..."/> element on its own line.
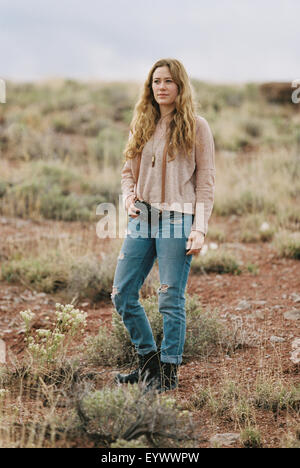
<point x="216" y="40"/>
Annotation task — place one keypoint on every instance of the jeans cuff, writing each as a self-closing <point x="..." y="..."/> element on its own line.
<point x="171" y="359"/>
<point x="144" y="351"/>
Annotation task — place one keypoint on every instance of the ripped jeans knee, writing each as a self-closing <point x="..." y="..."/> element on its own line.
<point x="119" y="298"/>
<point x="163" y="288"/>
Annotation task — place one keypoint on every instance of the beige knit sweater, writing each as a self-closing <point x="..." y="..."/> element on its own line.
<point x="189" y="183"/>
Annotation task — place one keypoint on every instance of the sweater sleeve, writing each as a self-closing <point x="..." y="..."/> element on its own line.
<point x="127" y="179"/>
<point x="205" y="176"/>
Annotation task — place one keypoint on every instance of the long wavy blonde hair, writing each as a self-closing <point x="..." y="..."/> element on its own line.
<point x="182" y="127"/>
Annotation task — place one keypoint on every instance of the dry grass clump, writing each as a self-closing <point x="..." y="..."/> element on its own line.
<point x="216" y="261"/>
<point x="112" y="415"/>
<point x="288" y="244"/>
<point x="240" y="402"/>
<point x="56" y="270"/>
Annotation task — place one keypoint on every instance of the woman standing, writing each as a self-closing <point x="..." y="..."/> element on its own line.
<point x="168" y="182"/>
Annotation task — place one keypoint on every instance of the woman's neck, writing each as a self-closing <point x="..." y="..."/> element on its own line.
<point x="166" y="111"/>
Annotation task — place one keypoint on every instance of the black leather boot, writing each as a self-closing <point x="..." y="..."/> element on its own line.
<point x="169" y="379"/>
<point x="147" y="371"/>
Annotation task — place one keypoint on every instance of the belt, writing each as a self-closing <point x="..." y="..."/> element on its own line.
<point x="150" y="209"/>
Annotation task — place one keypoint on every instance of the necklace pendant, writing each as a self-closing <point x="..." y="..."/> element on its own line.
<point x="153" y="160"/>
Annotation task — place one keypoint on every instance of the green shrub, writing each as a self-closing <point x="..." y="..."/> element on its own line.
<point x="291" y="440"/>
<point x="252" y="268"/>
<point x="230" y="96"/>
<point x="135" y="444"/>
<point x="216" y="234"/>
<point x="127" y="413"/>
<point x="251" y="438"/>
<point x="275" y="395"/>
<point x="215" y="261"/>
<point x="73" y="276"/>
<point x="63" y="125"/>
<point x="91" y="278"/>
<point x="288" y="245"/>
<point x="289" y="218"/>
<point x="253" y="128"/>
<point x="255" y="229"/>
<point x="47" y="273"/>
<point x="54" y="192"/>
<point x="244" y="203"/>
<point x="230" y="402"/>
<point x="108" y="147"/>
<point x="72" y="207"/>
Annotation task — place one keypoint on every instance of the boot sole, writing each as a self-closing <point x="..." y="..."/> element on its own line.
<point x="121" y="380"/>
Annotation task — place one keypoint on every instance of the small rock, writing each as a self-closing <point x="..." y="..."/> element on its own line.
<point x="296" y="343"/>
<point x="2" y="352"/>
<point x="259" y="302"/>
<point x="25" y="298"/>
<point x="295" y="355"/>
<point x="277" y="339"/>
<point x="243" y="305"/>
<point x="225" y="439"/>
<point x="258" y="314"/>
<point x="295" y="297"/>
<point x="264" y="226"/>
<point x="41" y="294"/>
<point x="22" y="223"/>
<point x="7" y="298"/>
<point x="292" y="315"/>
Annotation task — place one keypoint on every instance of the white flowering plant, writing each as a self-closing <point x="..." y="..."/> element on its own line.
<point x="48" y="346"/>
<point x="27" y="316"/>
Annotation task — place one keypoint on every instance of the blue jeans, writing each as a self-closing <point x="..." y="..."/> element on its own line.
<point x="142" y="244"/>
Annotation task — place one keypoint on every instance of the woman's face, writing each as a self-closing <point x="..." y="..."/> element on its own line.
<point x="165" y="90"/>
